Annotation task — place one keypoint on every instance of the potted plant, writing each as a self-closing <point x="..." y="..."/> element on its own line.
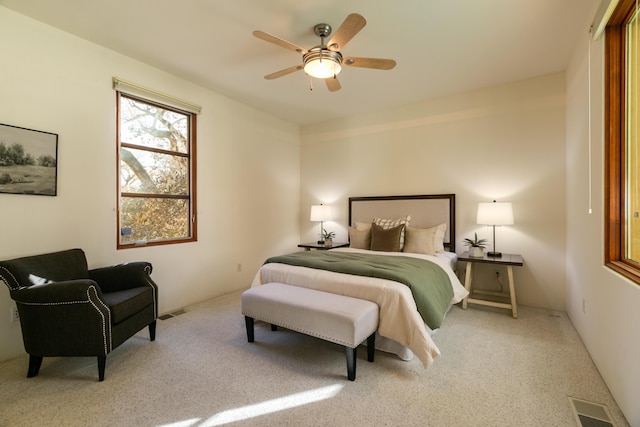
<point x="476" y="246"/>
<point x="328" y="236"/>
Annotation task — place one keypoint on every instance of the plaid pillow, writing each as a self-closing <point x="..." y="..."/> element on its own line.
<point x="391" y="223"/>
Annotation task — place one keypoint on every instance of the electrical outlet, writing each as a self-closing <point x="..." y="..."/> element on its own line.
<point x="15" y="317"/>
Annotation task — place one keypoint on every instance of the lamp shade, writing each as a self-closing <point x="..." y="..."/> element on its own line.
<point x="495" y="213"/>
<point x="320" y="213"/>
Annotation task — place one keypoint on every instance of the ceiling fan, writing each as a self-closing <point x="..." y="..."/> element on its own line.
<point x="325" y="61"/>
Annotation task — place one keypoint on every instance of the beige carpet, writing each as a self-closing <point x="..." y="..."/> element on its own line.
<point x="494" y="371"/>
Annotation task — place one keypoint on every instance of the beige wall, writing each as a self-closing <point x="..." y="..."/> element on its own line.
<point x="524" y="142"/>
<point x="504" y="143"/>
<point x="603" y="306"/>
<point x="248" y="170"/>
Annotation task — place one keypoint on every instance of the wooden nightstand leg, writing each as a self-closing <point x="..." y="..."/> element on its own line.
<point x="512" y="292"/>
<point x="468" y="276"/>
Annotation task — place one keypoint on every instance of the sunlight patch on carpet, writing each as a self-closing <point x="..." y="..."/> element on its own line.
<point x="275" y="405"/>
<point x="183" y="423"/>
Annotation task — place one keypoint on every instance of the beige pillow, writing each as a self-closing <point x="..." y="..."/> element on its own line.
<point x="391" y="223"/>
<point x="439" y="237"/>
<point x="364" y="226"/>
<point x="387" y="240"/>
<point x="425" y="240"/>
<point x="359" y="239"/>
<point x="420" y="241"/>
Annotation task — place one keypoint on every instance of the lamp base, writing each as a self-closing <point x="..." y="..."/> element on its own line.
<point x="494" y="254"/>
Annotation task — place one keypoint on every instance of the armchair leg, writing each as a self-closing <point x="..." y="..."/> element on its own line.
<point x="152" y="331"/>
<point x="102" y="361"/>
<point x="34" y="365"/>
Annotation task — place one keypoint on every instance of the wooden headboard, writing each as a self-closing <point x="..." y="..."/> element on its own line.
<point x="426" y="211"/>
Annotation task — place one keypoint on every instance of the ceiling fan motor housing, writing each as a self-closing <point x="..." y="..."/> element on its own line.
<point x="322" y="30"/>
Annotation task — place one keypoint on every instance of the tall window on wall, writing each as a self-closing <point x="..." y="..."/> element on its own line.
<point x="622" y="141"/>
<point x="156" y="168"/>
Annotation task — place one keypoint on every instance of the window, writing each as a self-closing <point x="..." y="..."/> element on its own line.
<point x="622" y="139"/>
<point x="156" y="173"/>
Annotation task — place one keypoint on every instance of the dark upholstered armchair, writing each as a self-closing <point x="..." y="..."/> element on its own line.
<point x="68" y="310"/>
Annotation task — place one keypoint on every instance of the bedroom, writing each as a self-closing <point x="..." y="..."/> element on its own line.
<point x="61" y="83"/>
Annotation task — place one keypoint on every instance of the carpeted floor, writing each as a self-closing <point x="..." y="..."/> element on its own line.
<point x="494" y="371"/>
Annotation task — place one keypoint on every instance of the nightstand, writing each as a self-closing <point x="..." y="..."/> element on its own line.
<point x="321" y="246"/>
<point x="507" y="260"/>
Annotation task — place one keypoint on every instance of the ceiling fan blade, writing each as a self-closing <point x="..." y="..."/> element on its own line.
<point x="333" y="84"/>
<point x="349" y="28"/>
<point x="376" y="63"/>
<point x="278" y="41"/>
<point x="283" y="72"/>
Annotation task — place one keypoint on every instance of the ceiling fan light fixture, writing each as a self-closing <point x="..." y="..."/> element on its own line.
<point x="322" y="63"/>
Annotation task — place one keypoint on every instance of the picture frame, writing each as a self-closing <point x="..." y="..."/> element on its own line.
<point x="28" y="161"/>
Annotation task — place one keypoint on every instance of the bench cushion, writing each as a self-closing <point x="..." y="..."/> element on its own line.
<point x="336" y="318"/>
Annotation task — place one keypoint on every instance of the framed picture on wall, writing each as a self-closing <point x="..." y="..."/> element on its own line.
<point x="28" y="161"/>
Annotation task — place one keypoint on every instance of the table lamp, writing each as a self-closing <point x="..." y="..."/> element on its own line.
<point x="320" y="213"/>
<point x="495" y="214"/>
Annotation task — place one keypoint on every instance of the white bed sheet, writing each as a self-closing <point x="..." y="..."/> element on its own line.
<point x="390" y="346"/>
<point x="399" y="317"/>
<point x="450" y="257"/>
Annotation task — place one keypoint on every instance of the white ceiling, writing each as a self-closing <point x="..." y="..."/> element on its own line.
<point x="442" y="47"/>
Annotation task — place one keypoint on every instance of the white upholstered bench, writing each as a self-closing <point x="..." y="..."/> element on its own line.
<point x="336" y="318"/>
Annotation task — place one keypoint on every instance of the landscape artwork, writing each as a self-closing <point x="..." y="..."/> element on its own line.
<point x="28" y="161"/>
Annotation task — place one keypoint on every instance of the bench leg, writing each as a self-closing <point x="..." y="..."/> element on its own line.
<point x="248" y="321"/>
<point x="371" y="346"/>
<point x="352" y="355"/>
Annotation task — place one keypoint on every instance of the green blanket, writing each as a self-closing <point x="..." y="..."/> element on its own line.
<point x="429" y="283"/>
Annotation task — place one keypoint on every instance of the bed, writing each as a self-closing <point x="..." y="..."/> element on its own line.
<point x="414" y="232"/>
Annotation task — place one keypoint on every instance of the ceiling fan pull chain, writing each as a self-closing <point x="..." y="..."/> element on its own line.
<point x="310" y="84"/>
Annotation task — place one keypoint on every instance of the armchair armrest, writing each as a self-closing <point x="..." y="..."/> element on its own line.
<point x="67" y="318"/>
<point x="123" y="276"/>
<point x="53" y="293"/>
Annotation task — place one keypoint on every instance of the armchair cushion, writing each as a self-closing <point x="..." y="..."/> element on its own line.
<point x="124" y="304"/>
